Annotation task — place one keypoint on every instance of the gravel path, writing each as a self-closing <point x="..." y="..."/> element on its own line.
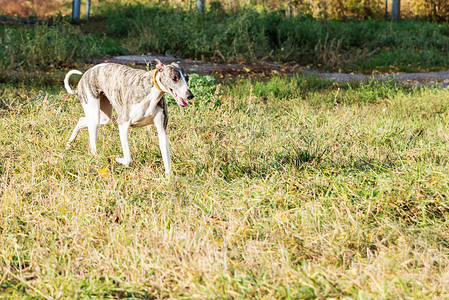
<point x="269" y="68"/>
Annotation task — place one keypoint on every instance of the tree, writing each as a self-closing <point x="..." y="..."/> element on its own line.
<point x="87" y="10"/>
<point x="76" y="8"/>
<point x="396" y="10"/>
<point x="200" y="6"/>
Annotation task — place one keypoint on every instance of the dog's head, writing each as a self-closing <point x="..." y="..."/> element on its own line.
<point x="174" y="81"/>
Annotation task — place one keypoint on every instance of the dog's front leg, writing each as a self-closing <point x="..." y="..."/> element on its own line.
<point x="165" y="151"/>
<point x="123" y="130"/>
<point x="163" y="142"/>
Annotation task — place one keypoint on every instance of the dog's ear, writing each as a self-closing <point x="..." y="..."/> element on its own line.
<point x="175" y="64"/>
<point x="159" y="65"/>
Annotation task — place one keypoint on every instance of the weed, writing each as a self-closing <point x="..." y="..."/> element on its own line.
<point x="375" y="91"/>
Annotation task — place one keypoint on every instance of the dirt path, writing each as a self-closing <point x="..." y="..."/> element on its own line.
<point x="264" y="69"/>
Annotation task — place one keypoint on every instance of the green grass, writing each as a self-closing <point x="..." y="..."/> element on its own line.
<point x="55" y="44"/>
<point x="282" y="189"/>
<point x="248" y="35"/>
<point x="243" y="35"/>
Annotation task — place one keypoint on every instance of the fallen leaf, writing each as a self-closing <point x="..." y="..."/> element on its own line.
<point x="103" y="172"/>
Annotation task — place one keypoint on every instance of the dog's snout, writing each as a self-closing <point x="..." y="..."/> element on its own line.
<point x="190" y="96"/>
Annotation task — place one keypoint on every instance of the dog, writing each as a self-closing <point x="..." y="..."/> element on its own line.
<point x="137" y="96"/>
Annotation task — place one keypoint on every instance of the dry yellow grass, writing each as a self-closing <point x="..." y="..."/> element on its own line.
<point x="296" y="198"/>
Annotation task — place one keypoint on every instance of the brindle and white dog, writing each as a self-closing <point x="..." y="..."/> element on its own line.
<point x="137" y="96"/>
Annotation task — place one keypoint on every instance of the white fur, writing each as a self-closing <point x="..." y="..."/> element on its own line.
<point x="66" y="81"/>
<point x="142" y="113"/>
<point x="185" y="86"/>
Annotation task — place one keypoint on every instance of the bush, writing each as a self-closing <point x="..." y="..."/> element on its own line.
<point x="250" y="35"/>
<point x="50" y="45"/>
<point x="206" y="90"/>
<point x="244" y="35"/>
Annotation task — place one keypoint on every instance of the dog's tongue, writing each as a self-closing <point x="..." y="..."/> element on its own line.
<point x="184" y="102"/>
<point x="181" y="102"/>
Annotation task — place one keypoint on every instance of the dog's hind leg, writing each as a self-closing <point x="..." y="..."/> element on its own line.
<point x="82" y="123"/>
<point x="105" y="109"/>
<point x="93" y="118"/>
<point x="91" y="121"/>
<point x="123" y="130"/>
<point x="92" y="113"/>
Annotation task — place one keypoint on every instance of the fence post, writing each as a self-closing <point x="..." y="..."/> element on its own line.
<point x="396" y="10"/>
<point x="200" y="6"/>
<point x="76" y="8"/>
<point x="87" y="10"/>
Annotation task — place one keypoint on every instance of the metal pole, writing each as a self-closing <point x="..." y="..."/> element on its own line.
<point x="396" y="10"/>
<point x="87" y="10"/>
<point x="200" y="6"/>
<point x="76" y="8"/>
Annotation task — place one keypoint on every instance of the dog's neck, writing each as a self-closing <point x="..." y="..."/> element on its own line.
<point x="155" y="95"/>
<point x="156" y="81"/>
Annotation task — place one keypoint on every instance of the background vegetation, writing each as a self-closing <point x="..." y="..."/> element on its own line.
<point x="290" y="187"/>
<point x="222" y="35"/>
<point x="436" y="10"/>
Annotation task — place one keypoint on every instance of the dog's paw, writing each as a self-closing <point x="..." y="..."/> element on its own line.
<point x="69" y="145"/>
<point x="123" y="161"/>
<point x="93" y="152"/>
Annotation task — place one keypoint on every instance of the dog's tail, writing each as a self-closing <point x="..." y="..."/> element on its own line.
<point x="66" y="81"/>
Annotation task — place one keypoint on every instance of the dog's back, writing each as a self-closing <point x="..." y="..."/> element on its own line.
<point x="119" y="83"/>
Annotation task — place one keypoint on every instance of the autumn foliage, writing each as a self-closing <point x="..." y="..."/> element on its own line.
<point x="436" y="10"/>
<point x="39" y="8"/>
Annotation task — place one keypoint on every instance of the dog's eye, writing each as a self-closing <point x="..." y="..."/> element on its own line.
<point x="175" y="78"/>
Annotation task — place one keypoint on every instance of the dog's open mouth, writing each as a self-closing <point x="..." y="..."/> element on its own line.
<point x="181" y="102"/>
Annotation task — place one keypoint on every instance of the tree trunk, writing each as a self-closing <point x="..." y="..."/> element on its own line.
<point x="386" y="10"/>
<point x="200" y="6"/>
<point x="87" y="10"/>
<point x="396" y="10"/>
<point x="76" y="8"/>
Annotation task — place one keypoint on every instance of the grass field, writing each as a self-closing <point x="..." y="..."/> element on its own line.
<point x="289" y="188"/>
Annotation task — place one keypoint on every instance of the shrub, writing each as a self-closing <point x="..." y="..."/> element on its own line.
<point x="50" y="45"/>
<point x="206" y="90"/>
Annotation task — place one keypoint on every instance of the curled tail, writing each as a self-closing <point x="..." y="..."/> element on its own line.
<point x="66" y="81"/>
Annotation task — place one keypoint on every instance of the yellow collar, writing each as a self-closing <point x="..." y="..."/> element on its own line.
<point x="155" y="82"/>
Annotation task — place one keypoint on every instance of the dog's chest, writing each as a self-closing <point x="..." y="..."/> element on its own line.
<point x="143" y="113"/>
<point x="143" y="122"/>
